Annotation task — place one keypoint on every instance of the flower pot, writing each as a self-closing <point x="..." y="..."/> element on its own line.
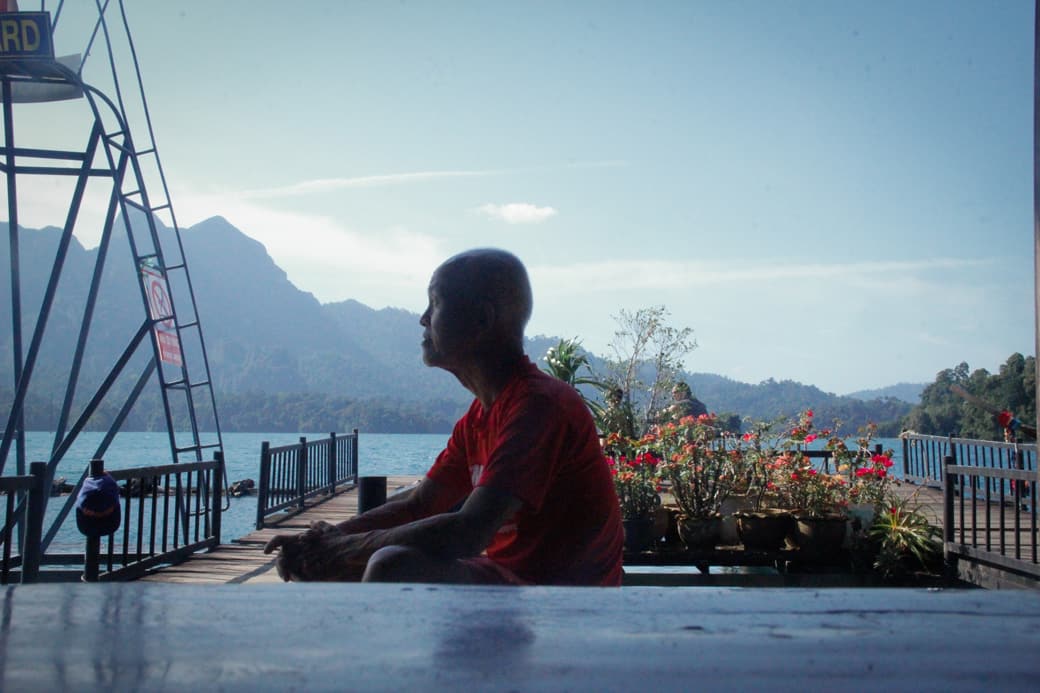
<point x="820" y="538"/>
<point x="700" y="532"/>
<point x="639" y="534"/>
<point x="732" y="505"/>
<point x="763" y="530"/>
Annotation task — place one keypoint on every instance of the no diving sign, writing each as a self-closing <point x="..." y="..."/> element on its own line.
<point x="160" y="309"/>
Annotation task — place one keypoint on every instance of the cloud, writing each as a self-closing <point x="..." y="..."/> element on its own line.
<point x="517" y="212"/>
<point x="324" y="185"/>
<point x="665" y="274"/>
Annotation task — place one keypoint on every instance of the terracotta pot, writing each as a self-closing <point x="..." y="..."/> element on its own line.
<point x="639" y="534"/>
<point x="763" y="530"/>
<point x="700" y="532"/>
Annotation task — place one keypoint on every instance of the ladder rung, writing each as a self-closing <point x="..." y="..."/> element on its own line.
<point x="201" y="383"/>
<point x="175" y="267"/>
<point x="175" y="383"/>
<point x="161" y="207"/>
<point x="193" y="323"/>
<point x="146" y="152"/>
<point x="200" y="446"/>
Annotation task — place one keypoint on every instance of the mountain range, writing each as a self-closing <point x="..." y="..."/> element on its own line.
<point x="266" y="337"/>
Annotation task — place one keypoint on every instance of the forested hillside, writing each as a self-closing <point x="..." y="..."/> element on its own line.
<point x="942" y="412"/>
<point x="282" y="361"/>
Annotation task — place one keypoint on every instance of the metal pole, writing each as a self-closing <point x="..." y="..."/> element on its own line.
<point x="332" y="463"/>
<point x="16" y="291"/>
<point x="1036" y="208"/>
<point x="301" y="472"/>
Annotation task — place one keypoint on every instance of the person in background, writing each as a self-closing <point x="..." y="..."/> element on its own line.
<point x="618" y="417"/>
<point x="537" y="501"/>
<point x="683" y="404"/>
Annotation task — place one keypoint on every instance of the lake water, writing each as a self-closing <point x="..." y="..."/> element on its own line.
<point x="378" y="454"/>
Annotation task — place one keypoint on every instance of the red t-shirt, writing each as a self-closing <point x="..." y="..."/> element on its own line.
<point x="539" y="444"/>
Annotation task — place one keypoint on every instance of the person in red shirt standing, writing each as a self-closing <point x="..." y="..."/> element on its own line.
<point x="537" y="502"/>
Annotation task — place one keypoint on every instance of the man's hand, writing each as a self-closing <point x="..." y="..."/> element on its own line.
<point x="321" y="553"/>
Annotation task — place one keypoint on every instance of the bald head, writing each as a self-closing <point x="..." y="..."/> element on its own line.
<point x="497" y="277"/>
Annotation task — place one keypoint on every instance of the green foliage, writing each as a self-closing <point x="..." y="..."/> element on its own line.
<point x="565" y="361"/>
<point x="942" y="412"/>
<point x="906" y="540"/>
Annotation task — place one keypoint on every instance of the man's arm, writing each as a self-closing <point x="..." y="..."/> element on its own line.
<point x="461" y="534"/>
<point x="327" y="554"/>
<point x="330" y="555"/>
<point x="428" y="498"/>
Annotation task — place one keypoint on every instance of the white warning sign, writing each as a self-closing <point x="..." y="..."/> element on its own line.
<point x="160" y="309"/>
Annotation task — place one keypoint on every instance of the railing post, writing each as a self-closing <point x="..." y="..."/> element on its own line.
<point x="332" y="463"/>
<point x="949" y="558"/>
<point x="92" y="557"/>
<point x="265" y="483"/>
<point x="906" y="458"/>
<point x="34" y="522"/>
<point x="301" y="472"/>
<point x="354" y="456"/>
<point x="218" y="487"/>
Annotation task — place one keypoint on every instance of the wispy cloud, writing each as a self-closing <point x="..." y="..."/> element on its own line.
<point x="324" y="185"/>
<point x="664" y="274"/>
<point x="517" y="212"/>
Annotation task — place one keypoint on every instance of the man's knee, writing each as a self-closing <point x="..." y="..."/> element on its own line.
<point x="407" y="564"/>
<point x="395" y="564"/>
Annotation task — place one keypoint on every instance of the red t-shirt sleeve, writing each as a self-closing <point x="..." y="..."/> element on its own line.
<point x="451" y="469"/>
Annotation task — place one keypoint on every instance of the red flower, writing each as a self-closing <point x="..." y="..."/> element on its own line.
<point x="810" y="438"/>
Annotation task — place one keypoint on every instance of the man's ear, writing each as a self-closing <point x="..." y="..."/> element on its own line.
<point x="486" y="316"/>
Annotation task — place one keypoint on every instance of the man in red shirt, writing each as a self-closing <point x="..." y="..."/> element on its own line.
<point x="537" y="502"/>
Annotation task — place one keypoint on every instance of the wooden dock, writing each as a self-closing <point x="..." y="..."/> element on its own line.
<point x="244" y="560"/>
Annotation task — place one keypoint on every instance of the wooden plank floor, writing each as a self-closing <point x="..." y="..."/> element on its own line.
<point x="244" y="560"/>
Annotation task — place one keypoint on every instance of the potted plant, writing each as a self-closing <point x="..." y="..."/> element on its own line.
<point x="866" y="471"/>
<point x="635" y="481"/>
<point x="699" y="472"/>
<point x="765" y="523"/>
<point x="905" y="541"/>
<point x="819" y="501"/>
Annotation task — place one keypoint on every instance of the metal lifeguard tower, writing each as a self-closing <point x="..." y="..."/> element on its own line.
<point x="113" y="157"/>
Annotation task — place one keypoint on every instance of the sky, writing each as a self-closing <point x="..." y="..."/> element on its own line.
<point x="829" y="192"/>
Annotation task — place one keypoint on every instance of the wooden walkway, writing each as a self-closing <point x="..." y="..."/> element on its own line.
<point x="244" y="560"/>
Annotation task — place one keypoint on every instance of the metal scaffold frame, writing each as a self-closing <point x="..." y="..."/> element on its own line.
<point x="167" y="347"/>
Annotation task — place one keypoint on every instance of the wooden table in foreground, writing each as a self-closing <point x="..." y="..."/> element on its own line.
<point x="316" y="637"/>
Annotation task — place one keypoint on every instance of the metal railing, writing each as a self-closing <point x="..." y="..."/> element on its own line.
<point x="292" y="474"/>
<point x="990" y="515"/>
<point x="23" y="519"/>
<point x="989" y="497"/>
<point x="923" y="456"/>
<point x="168" y="513"/>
